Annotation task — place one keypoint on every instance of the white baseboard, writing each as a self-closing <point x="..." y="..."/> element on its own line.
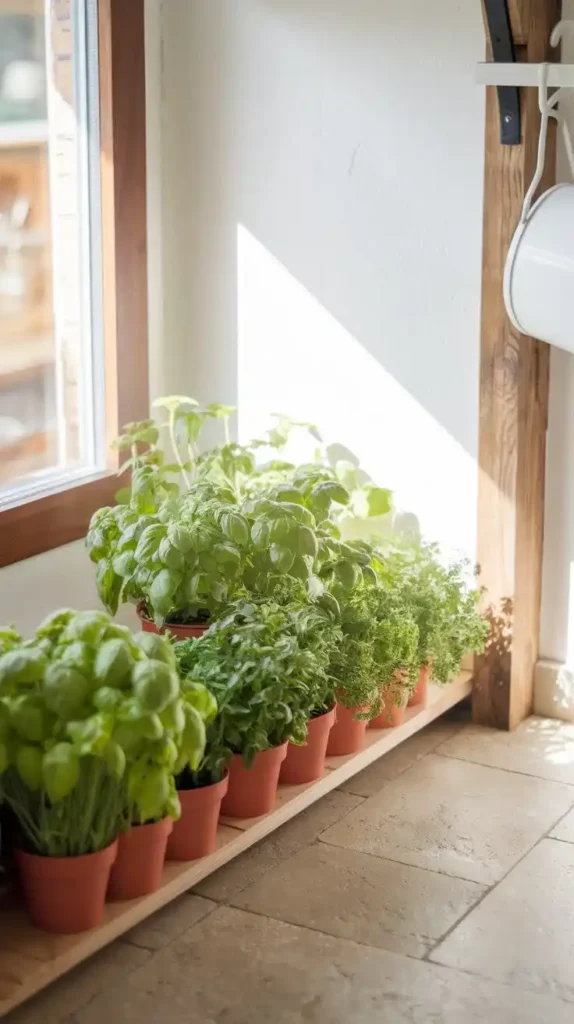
<point x="554" y="690"/>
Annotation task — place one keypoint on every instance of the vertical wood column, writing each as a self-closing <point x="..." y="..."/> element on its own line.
<point x="513" y="404"/>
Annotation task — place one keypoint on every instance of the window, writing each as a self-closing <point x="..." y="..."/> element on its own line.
<point x="73" y="354"/>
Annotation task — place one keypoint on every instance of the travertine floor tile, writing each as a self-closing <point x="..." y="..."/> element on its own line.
<point x="455" y="817"/>
<point x="540" y="746"/>
<point x="170" y="922"/>
<point x="304" y="829"/>
<point x="238" y="968"/>
<point x="565" y="829"/>
<point x="56" y="1004"/>
<point x="522" y="933"/>
<point x="393" y="764"/>
<point x="373" y="901"/>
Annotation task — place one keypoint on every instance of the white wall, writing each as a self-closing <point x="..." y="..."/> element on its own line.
<point x="315" y="218"/>
<point x="63" y="578"/>
<point x="329" y="208"/>
<point x="557" y="625"/>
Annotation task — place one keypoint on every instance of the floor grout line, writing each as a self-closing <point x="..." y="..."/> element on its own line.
<point x="408" y="956"/>
<point x="498" y="768"/>
<point x="546" y="835"/>
<point x="404" y="863"/>
<point x="549" y="993"/>
<point x="328" y="935"/>
<point x="273" y="837"/>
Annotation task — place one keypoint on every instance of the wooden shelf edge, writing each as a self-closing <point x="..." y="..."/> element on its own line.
<point x="30" y="960"/>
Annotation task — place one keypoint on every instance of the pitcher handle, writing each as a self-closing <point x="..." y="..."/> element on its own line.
<point x="546" y="111"/>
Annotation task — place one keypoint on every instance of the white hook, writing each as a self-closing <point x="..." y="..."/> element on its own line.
<point x="567" y="138"/>
<point x="545" y="111"/>
<point x="560" y="31"/>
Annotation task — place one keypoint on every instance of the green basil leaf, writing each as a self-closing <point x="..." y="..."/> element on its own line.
<point x="170" y="555"/>
<point x="378" y="500"/>
<point x="150" y="541"/>
<point x="162" y="590"/>
<point x="236" y="527"/>
<point x="307" y="542"/>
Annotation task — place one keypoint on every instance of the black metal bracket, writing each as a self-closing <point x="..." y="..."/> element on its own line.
<point x="498" y="20"/>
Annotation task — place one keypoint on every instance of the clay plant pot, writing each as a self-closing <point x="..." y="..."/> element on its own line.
<point x="392" y="713"/>
<point x="420" y="695"/>
<point x="66" y="894"/>
<point x="348" y="733"/>
<point x="138" y="867"/>
<point x="252" y="790"/>
<point x="180" y="632"/>
<point x="195" y="834"/>
<point x="307" y="763"/>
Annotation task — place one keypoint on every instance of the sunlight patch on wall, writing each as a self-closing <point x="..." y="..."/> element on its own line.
<point x="296" y="359"/>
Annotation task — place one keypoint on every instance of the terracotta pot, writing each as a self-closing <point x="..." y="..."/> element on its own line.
<point x="180" y="632"/>
<point x="138" y="867"/>
<point x="307" y="763"/>
<point x="195" y="834"/>
<point x="420" y="695"/>
<point x="66" y="894"/>
<point x="252" y="790"/>
<point x="392" y="713"/>
<point x="348" y="733"/>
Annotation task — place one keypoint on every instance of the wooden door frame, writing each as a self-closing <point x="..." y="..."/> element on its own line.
<point x="514" y="380"/>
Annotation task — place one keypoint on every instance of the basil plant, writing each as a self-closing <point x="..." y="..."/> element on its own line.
<point x="93" y="724"/>
<point x="194" y="556"/>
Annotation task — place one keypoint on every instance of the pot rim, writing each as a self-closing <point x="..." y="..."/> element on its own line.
<point x="209" y="787"/>
<point x="144" y="617"/>
<point x="324" y="714"/>
<point x="63" y="866"/>
<point x="149" y="828"/>
<point x="268" y="750"/>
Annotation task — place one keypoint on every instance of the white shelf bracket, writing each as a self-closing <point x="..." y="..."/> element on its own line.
<point x="508" y="75"/>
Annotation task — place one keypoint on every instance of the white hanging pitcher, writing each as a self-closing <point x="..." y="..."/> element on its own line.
<point x="539" y="272"/>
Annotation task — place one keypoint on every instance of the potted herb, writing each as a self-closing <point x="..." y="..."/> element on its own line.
<point x="352" y="586"/>
<point x="201" y="784"/>
<point x="78" y="702"/>
<point x="444" y="607"/>
<point x="264" y="682"/>
<point x="170" y="737"/>
<point x="184" y="564"/>
<point x="320" y="636"/>
<point x="395" y="650"/>
<point x="180" y="565"/>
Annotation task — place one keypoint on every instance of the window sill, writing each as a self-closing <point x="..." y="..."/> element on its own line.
<point x="37" y="526"/>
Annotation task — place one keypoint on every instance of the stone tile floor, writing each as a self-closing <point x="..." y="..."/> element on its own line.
<point x="437" y="886"/>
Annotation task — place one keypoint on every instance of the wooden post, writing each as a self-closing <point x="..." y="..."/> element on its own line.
<point x="513" y="405"/>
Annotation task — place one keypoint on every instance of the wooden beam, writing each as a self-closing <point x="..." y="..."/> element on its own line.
<point x="519" y="14"/>
<point x="519" y="11"/>
<point x="513" y="406"/>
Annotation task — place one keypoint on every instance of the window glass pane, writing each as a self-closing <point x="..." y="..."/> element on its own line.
<point x="50" y="361"/>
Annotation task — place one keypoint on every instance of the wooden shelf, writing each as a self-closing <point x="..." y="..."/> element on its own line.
<point x="31" y="959"/>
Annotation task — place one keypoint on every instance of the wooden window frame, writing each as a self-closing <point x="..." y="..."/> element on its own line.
<point x="39" y="525"/>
